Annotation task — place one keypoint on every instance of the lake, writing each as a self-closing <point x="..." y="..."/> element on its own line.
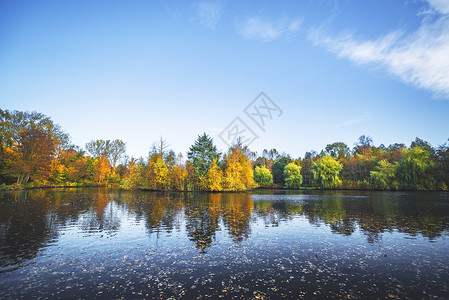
<point x="107" y="243"/>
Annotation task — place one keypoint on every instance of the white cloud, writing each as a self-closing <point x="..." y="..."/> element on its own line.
<point x="441" y="6"/>
<point x="420" y="58"/>
<point x="352" y="121"/>
<point x="265" y="30"/>
<point x="209" y="13"/>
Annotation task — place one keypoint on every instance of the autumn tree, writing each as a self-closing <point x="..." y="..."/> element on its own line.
<point x="262" y="176"/>
<point x="12" y="126"/>
<point x="117" y="149"/>
<point x="160" y="174"/>
<point x="364" y="145"/>
<point x="133" y="176"/>
<point x="214" y="177"/>
<point x="78" y="171"/>
<point x="113" y="151"/>
<point x="160" y="147"/>
<point x="238" y="168"/>
<point x="325" y="172"/>
<point x="35" y="150"/>
<point x="102" y="169"/>
<point x="267" y="159"/>
<point x="97" y="148"/>
<point x="292" y="174"/>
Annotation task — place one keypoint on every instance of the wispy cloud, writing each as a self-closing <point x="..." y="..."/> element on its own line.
<point x="441" y="6"/>
<point x="352" y="121"/>
<point x="209" y="13"/>
<point x="420" y="58"/>
<point x="267" y="30"/>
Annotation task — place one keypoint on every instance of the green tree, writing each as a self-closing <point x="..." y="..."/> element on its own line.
<point x="338" y="150"/>
<point x="385" y="176"/>
<point x="278" y="169"/>
<point x="262" y="176"/>
<point x="442" y="155"/>
<point x="325" y="172"/>
<point x="292" y="173"/>
<point x="415" y="170"/>
<point x="201" y="154"/>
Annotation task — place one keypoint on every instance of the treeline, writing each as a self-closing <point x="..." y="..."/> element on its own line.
<point x="35" y="152"/>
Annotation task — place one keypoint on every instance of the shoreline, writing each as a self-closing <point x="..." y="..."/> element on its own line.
<point x="14" y="187"/>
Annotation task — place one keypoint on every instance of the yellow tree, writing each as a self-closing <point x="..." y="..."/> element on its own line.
<point x="179" y="174"/>
<point x="160" y="173"/>
<point x="238" y="168"/>
<point x="215" y="177"/>
<point x="232" y="178"/>
<point x="133" y="176"/>
<point x="102" y="169"/>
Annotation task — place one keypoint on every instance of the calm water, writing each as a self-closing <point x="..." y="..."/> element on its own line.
<point x="100" y="243"/>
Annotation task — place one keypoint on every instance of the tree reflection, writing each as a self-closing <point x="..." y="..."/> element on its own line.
<point x="30" y="220"/>
<point x="25" y="227"/>
<point x="237" y="210"/>
<point x="202" y="216"/>
<point x="103" y="215"/>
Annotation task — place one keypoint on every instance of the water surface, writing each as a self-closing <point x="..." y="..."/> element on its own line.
<point x="106" y="243"/>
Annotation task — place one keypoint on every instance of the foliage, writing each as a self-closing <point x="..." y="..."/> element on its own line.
<point x="202" y="154"/>
<point x="278" y="168"/>
<point x="35" y="152"/>
<point x="338" y="150"/>
<point x="214" y="177"/>
<point x="31" y="157"/>
<point x="133" y="177"/>
<point x="385" y="176"/>
<point x="415" y="170"/>
<point x="292" y="173"/>
<point x="113" y="151"/>
<point x="267" y="159"/>
<point x="262" y="176"/>
<point x="238" y="168"/>
<point x="325" y="172"/>
<point x="102" y="169"/>
<point x="160" y="174"/>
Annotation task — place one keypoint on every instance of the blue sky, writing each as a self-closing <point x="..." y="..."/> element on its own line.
<point x="138" y="70"/>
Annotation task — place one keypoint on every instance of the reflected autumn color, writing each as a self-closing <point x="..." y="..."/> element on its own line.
<point x="102" y="215"/>
<point x="30" y="220"/>
<point x="237" y="210"/>
<point x="202" y="217"/>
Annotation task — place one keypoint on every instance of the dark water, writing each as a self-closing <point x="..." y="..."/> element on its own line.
<point x="100" y="243"/>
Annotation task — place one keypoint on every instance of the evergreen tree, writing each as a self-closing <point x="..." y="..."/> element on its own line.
<point x="202" y="153"/>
